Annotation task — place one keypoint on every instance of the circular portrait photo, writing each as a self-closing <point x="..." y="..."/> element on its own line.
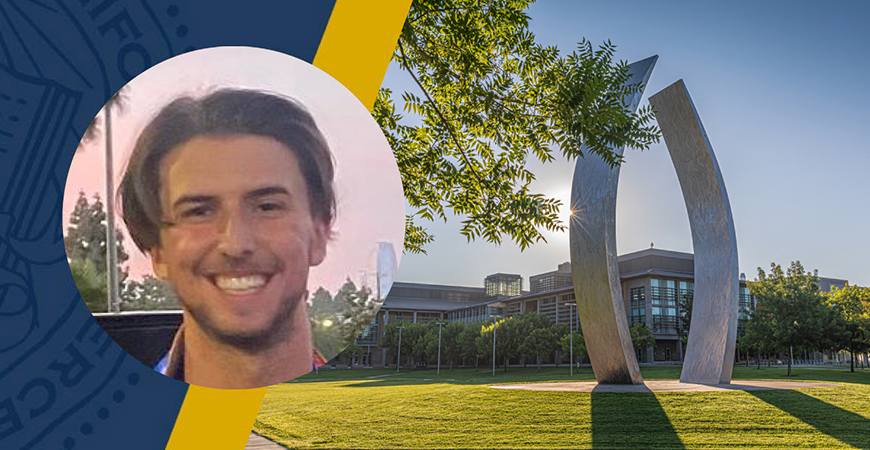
<point x="257" y="216"/>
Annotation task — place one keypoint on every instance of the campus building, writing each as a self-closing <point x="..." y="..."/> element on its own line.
<point x="419" y="303"/>
<point x="653" y="282"/>
<point x="503" y="285"/>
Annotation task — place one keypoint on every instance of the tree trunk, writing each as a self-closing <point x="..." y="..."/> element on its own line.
<point x="539" y="363"/>
<point x="758" y="359"/>
<point x="789" y="361"/>
<point x="505" y="364"/>
<point x="559" y="356"/>
<point x="476" y="361"/>
<point x="852" y="360"/>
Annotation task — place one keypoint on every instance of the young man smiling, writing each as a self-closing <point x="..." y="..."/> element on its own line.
<point x="231" y="196"/>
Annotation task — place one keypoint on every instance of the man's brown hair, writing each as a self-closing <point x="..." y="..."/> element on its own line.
<point x="226" y="112"/>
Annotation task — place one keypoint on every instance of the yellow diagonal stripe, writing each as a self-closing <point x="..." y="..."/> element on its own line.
<point x="212" y="419"/>
<point x="358" y="43"/>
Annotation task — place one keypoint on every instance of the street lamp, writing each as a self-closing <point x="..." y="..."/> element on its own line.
<point x="399" y="357"/>
<point x="493" y="342"/>
<point x="438" y="371"/>
<point x="571" y="328"/>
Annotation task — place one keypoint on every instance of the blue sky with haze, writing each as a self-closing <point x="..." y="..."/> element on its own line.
<point x="781" y="89"/>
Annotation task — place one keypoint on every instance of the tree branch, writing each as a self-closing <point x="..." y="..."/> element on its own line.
<point x="440" y="115"/>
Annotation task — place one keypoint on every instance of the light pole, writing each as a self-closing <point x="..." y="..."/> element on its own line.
<point x="111" y="245"/>
<point x="438" y="371"/>
<point x="571" y="328"/>
<point x="399" y="357"/>
<point x="493" y="343"/>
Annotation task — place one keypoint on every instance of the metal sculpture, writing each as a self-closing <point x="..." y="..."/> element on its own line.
<point x="594" y="267"/>
<point x="712" y="337"/>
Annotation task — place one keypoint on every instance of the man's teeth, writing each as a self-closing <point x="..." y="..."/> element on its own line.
<point x="240" y="283"/>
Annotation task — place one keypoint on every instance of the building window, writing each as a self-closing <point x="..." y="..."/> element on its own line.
<point x="665" y="295"/>
<point x="503" y="285"/>
<point x="638" y="305"/>
<point x="369" y="336"/>
<point x="425" y="317"/>
<point x="400" y="316"/>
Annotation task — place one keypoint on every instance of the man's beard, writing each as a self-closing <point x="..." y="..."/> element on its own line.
<point x="278" y="330"/>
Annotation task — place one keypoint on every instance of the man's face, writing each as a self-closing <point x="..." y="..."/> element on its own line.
<point x="241" y="237"/>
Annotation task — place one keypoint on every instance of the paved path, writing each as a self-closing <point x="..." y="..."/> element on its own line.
<point x="257" y="442"/>
<point x="663" y="386"/>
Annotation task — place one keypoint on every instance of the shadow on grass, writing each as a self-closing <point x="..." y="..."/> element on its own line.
<point x="836" y="422"/>
<point x="631" y="420"/>
<point x="457" y="377"/>
<point x="468" y="376"/>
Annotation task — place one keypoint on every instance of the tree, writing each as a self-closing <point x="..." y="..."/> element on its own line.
<point x="451" y="346"/>
<point x="489" y="98"/>
<point x="85" y="239"/>
<point x="757" y="336"/>
<point x="468" y="343"/>
<point x="684" y="323"/>
<point x="325" y="313"/>
<point x="390" y="338"/>
<point x="794" y="309"/>
<point x="428" y="343"/>
<point x="504" y="337"/>
<point x="148" y="295"/>
<point x="642" y="336"/>
<point x="538" y="336"/>
<point x="565" y="342"/>
<point x="509" y="338"/>
<point x="357" y="308"/>
<point x="853" y="303"/>
<point x="540" y="341"/>
<point x="413" y="341"/>
<point x="91" y="284"/>
<point x="351" y="352"/>
<point x="117" y="102"/>
<point x="86" y="235"/>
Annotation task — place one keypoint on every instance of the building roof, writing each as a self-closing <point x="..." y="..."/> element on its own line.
<point x="486" y="303"/>
<point x="432" y="297"/>
<point x="431" y="304"/>
<point x="440" y="287"/>
<point x="655" y="252"/>
<point x="512" y="275"/>
<point x="655" y="273"/>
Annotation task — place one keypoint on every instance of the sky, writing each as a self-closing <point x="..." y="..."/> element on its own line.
<point x="368" y="185"/>
<point x="780" y="88"/>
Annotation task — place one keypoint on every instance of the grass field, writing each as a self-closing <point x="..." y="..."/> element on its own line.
<point x="346" y="409"/>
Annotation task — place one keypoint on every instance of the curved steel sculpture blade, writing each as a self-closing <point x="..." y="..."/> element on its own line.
<point x="712" y="337"/>
<point x="594" y="267"/>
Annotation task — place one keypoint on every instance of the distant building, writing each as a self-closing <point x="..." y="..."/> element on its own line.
<point x="413" y="302"/>
<point x="653" y="282"/>
<point x="502" y="285"/>
<point x="551" y="280"/>
<point x="825" y="284"/>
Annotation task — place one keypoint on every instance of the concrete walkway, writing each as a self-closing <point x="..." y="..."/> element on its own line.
<point x="663" y="386"/>
<point x="257" y="442"/>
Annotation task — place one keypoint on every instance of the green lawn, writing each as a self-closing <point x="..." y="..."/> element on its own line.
<point x="345" y="409"/>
